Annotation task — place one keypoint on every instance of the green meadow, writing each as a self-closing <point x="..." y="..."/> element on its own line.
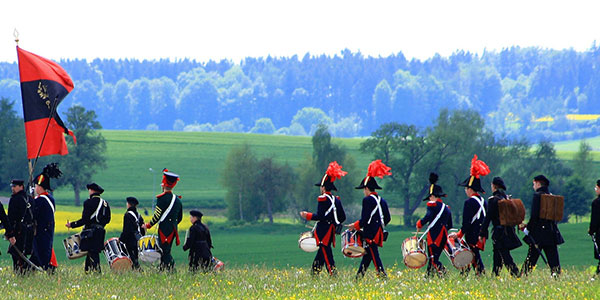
<point x="198" y="157"/>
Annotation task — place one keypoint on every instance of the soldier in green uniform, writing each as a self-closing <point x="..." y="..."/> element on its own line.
<point x="167" y="214"/>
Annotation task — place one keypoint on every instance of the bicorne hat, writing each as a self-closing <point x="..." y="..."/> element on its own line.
<point x="478" y="168"/>
<point x="50" y="171"/>
<point x="434" y="189"/>
<point x="334" y="171"/>
<point x="376" y="169"/>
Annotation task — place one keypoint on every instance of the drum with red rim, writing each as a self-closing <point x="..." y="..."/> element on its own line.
<point x="413" y="251"/>
<point x="352" y="244"/>
<point x="459" y="253"/>
<point x="117" y="257"/>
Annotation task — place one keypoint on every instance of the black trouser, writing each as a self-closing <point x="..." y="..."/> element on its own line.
<point x="23" y="243"/>
<point x="92" y="262"/>
<point x="503" y="257"/>
<point x="434" y="266"/>
<point x="132" y="250"/>
<point x="198" y="261"/>
<point x="166" y="260"/>
<point x="477" y="261"/>
<point x="371" y="255"/>
<point x="324" y="257"/>
<point x="551" y="252"/>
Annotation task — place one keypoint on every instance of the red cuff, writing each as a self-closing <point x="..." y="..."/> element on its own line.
<point x="419" y="224"/>
<point x="357" y="225"/>
<point x="309" y="216"/>
<point x="459" y="234"/>
<point x="148" y="225"/>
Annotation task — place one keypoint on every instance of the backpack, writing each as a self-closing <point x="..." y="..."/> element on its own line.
<point x="511" y="211"/>
<point x="551" y="207"/>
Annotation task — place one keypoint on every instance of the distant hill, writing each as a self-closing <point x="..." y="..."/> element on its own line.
<point x="522" y="92"/>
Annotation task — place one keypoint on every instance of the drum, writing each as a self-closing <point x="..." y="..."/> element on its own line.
<point x="352" y="245"/>
<point x="307" y="242"/>
<point x="459" y="253"/>
<point x="72" y="247"/>
<point x="149" y="250"/>
<point x="413" y="251"/>
<point x="117" y="257"/>
<point x="217" y="265"/>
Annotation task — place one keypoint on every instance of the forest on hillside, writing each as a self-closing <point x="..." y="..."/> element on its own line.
<point x="535" y="93"/>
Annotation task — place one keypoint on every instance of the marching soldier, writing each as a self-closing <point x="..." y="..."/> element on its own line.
<point x="132" y="230"/>
<point x="20" y="217"/>
<point x="95" y="215"/>
<point x="375" y="216"/>
<point x="199" y="243"/>
<point x="504" y="237"/>
<point x="330" y="214"/>
<point x="439" y="218"/>
<point x="594" y="230"/>
<point x="541" y="234"/>
<point x="43" y="213"/>
<point x="167" y="214"/>
<point x="474" y="211"/>
<point x="8" y="228"/>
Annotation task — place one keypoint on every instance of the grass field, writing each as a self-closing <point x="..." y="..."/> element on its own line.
<point x="197" y="156"/>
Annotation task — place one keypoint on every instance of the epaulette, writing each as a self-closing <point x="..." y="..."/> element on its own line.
<point x="431" y="203"/>
<point x="160" y="195"/>
<point x="322" y="198"/>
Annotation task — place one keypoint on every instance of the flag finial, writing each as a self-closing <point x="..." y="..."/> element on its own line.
<point x="16" y="35"/>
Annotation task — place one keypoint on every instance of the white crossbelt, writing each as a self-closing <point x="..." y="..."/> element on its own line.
<point x="377" y="208"/>
<point x="481" y="209"/>
<point x="49" y="202"/>
<point x="166" y="212"/>
<point x="332" y="199"/>
<point x="97" y="210"/>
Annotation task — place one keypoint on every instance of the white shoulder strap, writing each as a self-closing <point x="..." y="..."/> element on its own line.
<point x="377" y="208"/>
<point x="49" y="202"/>
<point x="332" y="207"/>
<point x="439" y="215"/>
<point x="166" y="212"/>
<point x="134" y="216"/>
<point x="481" y="209"/>
<point x="95" y="215"/>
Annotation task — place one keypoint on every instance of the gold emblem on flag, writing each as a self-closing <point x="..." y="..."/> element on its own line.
<point x="43" y="92"/>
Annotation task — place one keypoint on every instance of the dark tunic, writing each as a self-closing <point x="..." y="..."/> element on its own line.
<point x="544" y="232"/>
<point x="43" y="213"/>
<point x="325" y="230"/>
<point x="437" y="234"/>
<point x="503" y="237"/>
<point x="373" y="231"/>
<point x="470" y="229"/>
<point x="8" y="229"/>
<point x="199" y="243"/>
<point x="595" y="224"/>
<point x="20" y="217"/>
<point x="167" y="229"/>
<point x="96" y="242"/>
<point x="131" y="227"/>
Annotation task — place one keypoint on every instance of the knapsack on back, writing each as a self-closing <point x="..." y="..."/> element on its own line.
<point x="511" y="211"/>
<point x="551" y="207"/>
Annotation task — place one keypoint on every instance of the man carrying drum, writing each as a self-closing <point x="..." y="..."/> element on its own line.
<point x="474" y="211"/>
<point x="168" y="213"/>
<point x="504" y="237"/>
<point x="439" y="218"/>
<point x="96" y="214"/>
<point x="330" y="214"/>
<point x="132" y="230"/>
<point x="375" y="216"/>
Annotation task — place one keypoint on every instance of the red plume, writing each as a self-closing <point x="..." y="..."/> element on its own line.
<point x="334" y="171"/>
<point x="378" y="169"/>
<point x="478" y="167"/>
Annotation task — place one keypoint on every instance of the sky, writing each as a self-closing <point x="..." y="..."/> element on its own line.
<point x="235" y="29"/>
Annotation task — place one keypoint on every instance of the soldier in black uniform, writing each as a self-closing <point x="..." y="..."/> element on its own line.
<point x="541" y="234"/>
<point x="375" y="215"/>
<point x="8" y="228"/>
<point x="594" y="230"/>
<point x="168" y="213"/>
<point x="474" y="211"/>
<point x="504" y="238"/>
<point x="330" y="213"/>
<point x="20" y="217"/>
<point x="437" y="234"/>
<point x="95" y="215"/>
<point x="199" y="243"/>
<point x="132" y="230"/>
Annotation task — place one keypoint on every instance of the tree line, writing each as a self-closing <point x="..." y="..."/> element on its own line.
<point x="513" y="89"/>
<point x="258" y="188"/>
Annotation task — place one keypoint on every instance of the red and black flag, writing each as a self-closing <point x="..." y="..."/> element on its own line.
<point x="44" y="84"/>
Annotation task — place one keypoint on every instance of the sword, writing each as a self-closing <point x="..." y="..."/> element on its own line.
<point x="595" y="245"/>
<point x="25" y="258"/>
<point x="538" y="249"/>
